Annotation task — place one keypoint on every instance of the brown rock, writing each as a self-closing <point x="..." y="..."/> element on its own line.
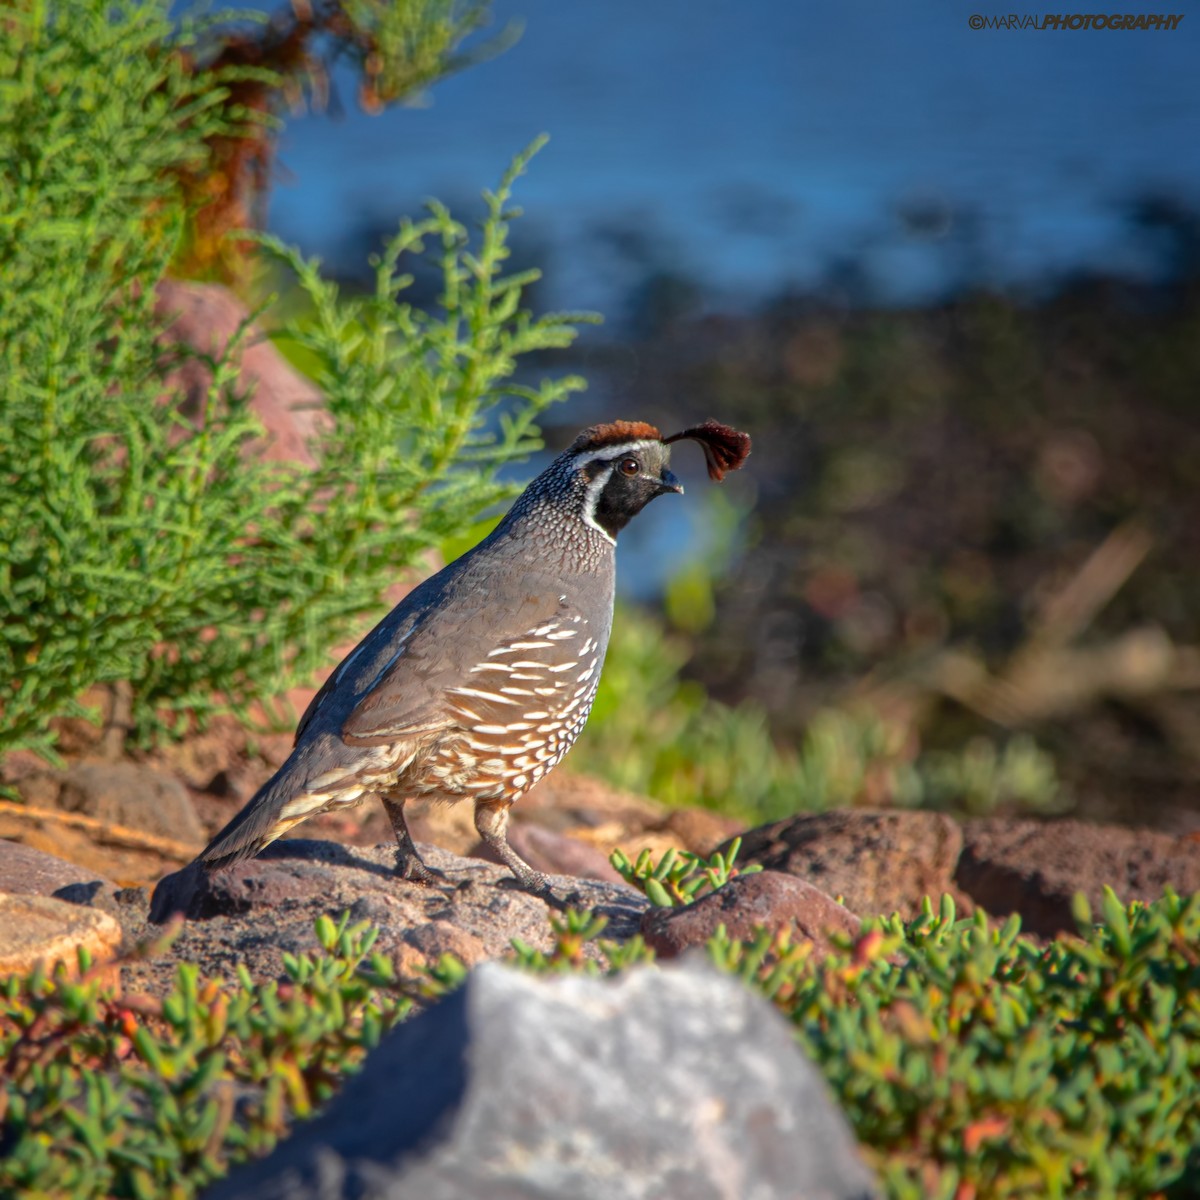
<point x="424" y="945"/>
<point x="37" y="929"/>
<point x="45" y="830"/>
<point x="29" y="872"/>
<point x="40" y="788"/>
<point x="700" y="830"/>
<point x="769" y="899"/>
<point x="225" y="758"/>
<point x="1034" y="868"/>
<point x="878" y="862"/>
<point x="132" y="795"/>
<point x="553" y="853"/>
<point x="607" y="838"/>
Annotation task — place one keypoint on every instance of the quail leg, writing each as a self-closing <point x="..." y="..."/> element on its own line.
<point x="491" y="822"/>
<point x="408" y="862"/>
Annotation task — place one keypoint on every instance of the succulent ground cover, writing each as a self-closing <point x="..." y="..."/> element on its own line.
<point x="971" y="1061"/>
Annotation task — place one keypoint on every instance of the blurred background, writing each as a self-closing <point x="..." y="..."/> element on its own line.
<point x="949" y="279"/>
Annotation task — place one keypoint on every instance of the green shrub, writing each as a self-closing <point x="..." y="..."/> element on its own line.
<point x="680" y="878"/>
<point x="970" y="1061"/>
<point x="139" y="547"/>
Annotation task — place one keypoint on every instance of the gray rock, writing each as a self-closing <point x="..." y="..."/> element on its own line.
<point x="260" y="910"/>
<point x="663" y="1083"/>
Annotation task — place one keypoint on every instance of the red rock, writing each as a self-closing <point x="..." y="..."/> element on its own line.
<point x="878" y="862"/>
<point x="30" y="872"/>
<point x="768" y="898"/>
<point x="39" y="929"/>
<point x="1034" y="868"/>
<point x="206" y="317"/>
<point x="424" y="944"/>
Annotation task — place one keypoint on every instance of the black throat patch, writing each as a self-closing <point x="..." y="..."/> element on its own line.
<point x="620" y="500"/>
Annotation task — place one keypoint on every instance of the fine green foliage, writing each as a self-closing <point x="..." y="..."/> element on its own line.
<point x="654" y="732"/>
<point x="89" y="222"/>
<point x="403" y="47"/>
<point x="969" y="1060"/>
<point x="147" y="548"/>
<point x="410" y="390"/>
<point x="680" y="877"/>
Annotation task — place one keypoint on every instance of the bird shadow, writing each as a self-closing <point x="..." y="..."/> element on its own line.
<point x="316" y="850"/>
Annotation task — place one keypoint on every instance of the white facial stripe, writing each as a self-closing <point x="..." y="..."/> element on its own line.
<point x="612" y="455"/>
<point x="615" y="451"/>
<point x="593" y="496"/>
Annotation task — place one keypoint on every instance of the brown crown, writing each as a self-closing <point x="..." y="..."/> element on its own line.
<point x="613" y="433"/>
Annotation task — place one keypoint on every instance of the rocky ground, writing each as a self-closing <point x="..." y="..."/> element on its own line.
<point x="609" y="1079"/>
<point x="98" y="835"/>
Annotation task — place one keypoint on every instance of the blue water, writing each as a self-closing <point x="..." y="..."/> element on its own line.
<point x="759" y="142"/>
<point x="756" y="144"/>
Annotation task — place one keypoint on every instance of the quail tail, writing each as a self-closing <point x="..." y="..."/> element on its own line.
<point x="258" y="824"/>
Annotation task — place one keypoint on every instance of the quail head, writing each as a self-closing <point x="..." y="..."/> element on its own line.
<point x="479" y="681"/>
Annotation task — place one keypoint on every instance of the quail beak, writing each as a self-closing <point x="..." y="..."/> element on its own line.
<point x="668" y="483"/>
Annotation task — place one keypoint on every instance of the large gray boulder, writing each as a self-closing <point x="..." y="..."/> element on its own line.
<point x="673" y="1082"/>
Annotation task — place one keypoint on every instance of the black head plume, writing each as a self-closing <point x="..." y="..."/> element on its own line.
<point x="725" y="448"/>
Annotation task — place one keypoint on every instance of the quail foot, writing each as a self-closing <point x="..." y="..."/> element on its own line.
<point x="479" y="681"/>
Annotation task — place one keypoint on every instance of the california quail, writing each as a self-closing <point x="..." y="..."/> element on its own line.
<point x="479" y="681"/>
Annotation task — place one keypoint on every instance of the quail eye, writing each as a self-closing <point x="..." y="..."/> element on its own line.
<point x="629" y="466"/>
